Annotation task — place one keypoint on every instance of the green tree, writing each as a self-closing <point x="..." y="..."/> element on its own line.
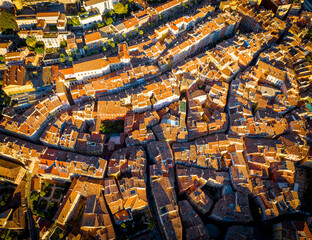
<point x="184" y="5"/>
<point x="63" y="44"/>
<point x="2" y="58"/>
<point x="309" y="58"/>
<point x="62" y="60"/>
<point x="119" y="8"/>
<point x="113" y="44"/>
<point x="39" y="50"/>
<point x="51" y="205"/>
<point x="151" y="223"/>
<point x="109" y="21"/>
<point x="104" y="49"/>
<point x="102" y="128"/>
<point x="74" y="21"/>
<point x="124" y="35"/>
<point x="31" y="41"/>
<point x="40" y="44"/>
<point x="42" y="194"/>
<point x="61" y="235"/>
<point x="7" y="196"/>
<point x="141" y="32"/>
<point x="85" y="48"/>
<point x="7" y="21"/>
<point x="34" y="196"/>
<point x="110" y="14"/>
<point x="3" y="203"/>
<point x="62" y="55"/>
<point x="99" y="25"/>
<point x="70" y="59"/>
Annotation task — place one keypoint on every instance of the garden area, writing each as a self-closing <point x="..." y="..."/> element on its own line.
<point x="111" y="127"/>
<point x="34" y="45"/>
<point x="7" y="22"/>
<point x="74" y="21"/>
<point x="57" y="194"/>
<point x="11" y="235"/>
<point x="42" y="205"/>
<point x="309" y="34"/>
<point x="307" y="196"/>
<point x="47" y="190"/>
<point x="140" y="223"/>
<point x="4" y="99"/>
<point x="5" y="196"/>
<point x="121" y="11"/>
<point x="45" y="203"/>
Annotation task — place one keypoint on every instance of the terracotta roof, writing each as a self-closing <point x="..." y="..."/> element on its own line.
<point x="92" y="37"/>
<point x="90" y="65"/>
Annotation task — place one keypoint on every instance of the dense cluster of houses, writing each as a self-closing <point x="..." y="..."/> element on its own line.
<point x="205" y="117"/>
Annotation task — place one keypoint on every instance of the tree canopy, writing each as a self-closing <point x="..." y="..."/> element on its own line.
<point x="39" y="50"/>
<point x="74" y="21"/>
<point x="7" y="21"/>
<point x="119" y="8"/>
<point x="309" y="34"/>
<point x="109" y="21"/>
<point x="39" y="47"/>
<point x="99" y="25"/>
<point x="309" y="58"/>
<point x="40" y="44"/>
<point x="34" y="196"/>
<point x="31" y="41"/>
<point x="63" y="44"/>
